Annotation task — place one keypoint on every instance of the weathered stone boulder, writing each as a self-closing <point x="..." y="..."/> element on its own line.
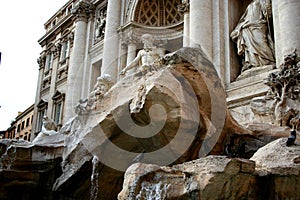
<point x="172" y="115"/>
<point x="28" y="171"/>
<point x="213" y="177"/>
<point x="279" y="167"/>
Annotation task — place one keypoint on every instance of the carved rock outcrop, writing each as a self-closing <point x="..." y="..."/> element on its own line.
<point x="281" y="103"/>
<point x="272" y="173"/>
<point x="212" y="177"/>
<point x="172" y="115"/>
<point x="279" y="167"/>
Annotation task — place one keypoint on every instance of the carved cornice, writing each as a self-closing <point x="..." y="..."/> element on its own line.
<point x="83" y="10"/>
<point x="184" y="6"/>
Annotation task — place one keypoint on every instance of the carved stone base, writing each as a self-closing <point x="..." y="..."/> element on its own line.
<point x="249" y="85"/>
<point x="255" y="71"/>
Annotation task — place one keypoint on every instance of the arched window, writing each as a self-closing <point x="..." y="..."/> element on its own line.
<point x="158" y="13"/>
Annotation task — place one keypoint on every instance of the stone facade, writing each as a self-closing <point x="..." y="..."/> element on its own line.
<point x="20" y="128"/>
<point x="89" y="38"/>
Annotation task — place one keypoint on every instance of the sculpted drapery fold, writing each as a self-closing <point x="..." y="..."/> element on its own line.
<point x="252" y="35"/>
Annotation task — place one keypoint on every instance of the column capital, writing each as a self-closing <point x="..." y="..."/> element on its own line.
<point x="184" y="6"/>
<point x="41" y="61"/>
<point x="129" y="37"/>
<point x="83" y="10"/>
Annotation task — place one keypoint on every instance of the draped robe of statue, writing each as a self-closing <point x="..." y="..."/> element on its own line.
<point x="253" y="38"/>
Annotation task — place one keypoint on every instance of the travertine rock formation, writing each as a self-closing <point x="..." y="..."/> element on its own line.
<point x="28" y="171"/>
<point x="272" y="173"/>
<point x="213" y="177"/>
<point x="279" y="166"/>
<point x="171" y="115"/>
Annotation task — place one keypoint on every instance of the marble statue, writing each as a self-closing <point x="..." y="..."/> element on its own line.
<point x="103" y="84"/>
<point x="252" y="35"/>
<point x="49" y="126"/>
<point x="146" y="59"/>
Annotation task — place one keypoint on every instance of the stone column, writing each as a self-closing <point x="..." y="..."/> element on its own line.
<point x="111" y="40"/>
<point x="131" y="52"/>
<point x="201" y="25"/>
<point x="286" y="19"/>
<point x="185" y="8"/>
<point x="75" y="75"/>
<point x="123" y="55"/>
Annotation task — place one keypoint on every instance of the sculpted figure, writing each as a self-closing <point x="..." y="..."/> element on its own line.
<point x="104" y="83"/>
<point x="82" y="107"/>
<point x="85" y="105"/>
<point x="146" y="58"/>
<point x="252" y="36"/>
<point x="48" y="126"/>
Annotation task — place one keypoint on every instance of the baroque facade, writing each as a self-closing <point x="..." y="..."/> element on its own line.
<point x="87" y="39"/>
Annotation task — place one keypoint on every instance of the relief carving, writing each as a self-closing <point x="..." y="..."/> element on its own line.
<point x="100" y="24"/>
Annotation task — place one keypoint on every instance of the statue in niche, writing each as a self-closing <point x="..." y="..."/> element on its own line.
<point x="252" y="35"/>
<point x="100" y="24"/>
<point x="147" y="59"/>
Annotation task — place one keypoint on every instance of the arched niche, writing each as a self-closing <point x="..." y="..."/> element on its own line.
<point x="156" y="17"/>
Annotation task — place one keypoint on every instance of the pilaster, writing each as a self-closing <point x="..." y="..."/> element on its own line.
<point x="185" y="8"/>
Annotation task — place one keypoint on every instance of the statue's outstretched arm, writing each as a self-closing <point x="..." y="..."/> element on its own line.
<point x="131" y="65"/>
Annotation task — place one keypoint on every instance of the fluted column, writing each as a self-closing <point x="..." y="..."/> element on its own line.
<point x="111" y="39"/>
<point x="201" y="25"/>
<point x="286" y="19"/>
<point x="185" y="8"/>
<point x="75" y="75"/>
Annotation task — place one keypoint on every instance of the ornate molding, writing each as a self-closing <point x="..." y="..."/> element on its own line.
<point x="184" y="6"/>
<point x="82" y="10"/>
<point x="71" y="39"/>
<point x="56" y="50"/>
